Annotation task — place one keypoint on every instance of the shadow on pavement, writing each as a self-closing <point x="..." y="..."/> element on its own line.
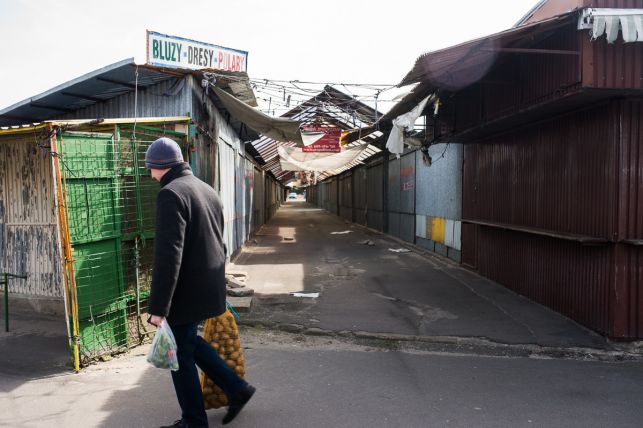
<point x="36" y="346"/>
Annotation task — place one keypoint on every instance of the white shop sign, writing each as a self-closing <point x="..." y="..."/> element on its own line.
<point x="171" y="51"/>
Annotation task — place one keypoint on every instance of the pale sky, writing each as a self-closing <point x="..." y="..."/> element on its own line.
<point x="46" y="43"/>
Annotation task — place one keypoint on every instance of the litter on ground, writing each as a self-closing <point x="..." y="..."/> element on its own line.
<point x="344" y="232"/>
<point x="366" y="242"/>
<point x="399" y="250"/>
<point x="308" y="295"/>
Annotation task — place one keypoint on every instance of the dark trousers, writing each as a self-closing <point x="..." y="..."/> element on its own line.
<point x="191" y="349"/>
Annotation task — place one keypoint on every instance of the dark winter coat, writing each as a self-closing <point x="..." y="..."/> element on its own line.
<point x="188" y="277"/>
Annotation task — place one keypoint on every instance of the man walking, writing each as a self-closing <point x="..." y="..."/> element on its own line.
<point x="188" y="280"/>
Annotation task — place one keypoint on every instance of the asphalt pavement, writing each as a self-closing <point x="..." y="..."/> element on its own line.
<point x="371" y="288"/>
<point x="308" y="381"/>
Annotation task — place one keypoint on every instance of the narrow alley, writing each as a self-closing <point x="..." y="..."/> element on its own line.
<point x="374" y="289"/>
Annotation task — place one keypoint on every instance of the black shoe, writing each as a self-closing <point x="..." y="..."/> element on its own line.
<point x="179" y="424"/>
<point x="237" y="405"/>
<point x="176" y="424"/>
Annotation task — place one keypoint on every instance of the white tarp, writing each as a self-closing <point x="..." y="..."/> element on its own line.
<point x="277" y="128"/>
<point x="405" y="122"/>
<point x="294" y="159"/>
<point x="610" y="21"/>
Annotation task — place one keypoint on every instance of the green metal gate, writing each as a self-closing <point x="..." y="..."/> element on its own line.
<point x="110" y="209"/>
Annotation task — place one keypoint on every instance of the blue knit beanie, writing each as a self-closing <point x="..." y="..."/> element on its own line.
<point x="162" y="154"/>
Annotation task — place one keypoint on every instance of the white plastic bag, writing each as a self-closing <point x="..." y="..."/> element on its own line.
<point x="162" y="353"/>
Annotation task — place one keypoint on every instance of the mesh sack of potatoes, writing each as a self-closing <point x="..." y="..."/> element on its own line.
<point x="222" y="333"/>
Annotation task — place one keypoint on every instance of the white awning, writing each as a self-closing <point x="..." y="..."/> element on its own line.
<point x="295" y="159"/>
<point x="610" y="21"/>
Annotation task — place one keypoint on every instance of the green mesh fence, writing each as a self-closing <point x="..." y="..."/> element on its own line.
<point x="111" y="201"/>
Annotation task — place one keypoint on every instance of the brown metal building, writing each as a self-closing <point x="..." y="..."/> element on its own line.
<point x="552" y="122"/>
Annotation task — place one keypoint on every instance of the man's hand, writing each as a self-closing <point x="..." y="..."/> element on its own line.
<point x="156" y="320"/>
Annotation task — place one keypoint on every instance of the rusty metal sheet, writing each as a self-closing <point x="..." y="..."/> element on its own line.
<point x="444" y="67"/>
<point x="577" y="177"/>
<point x="531" y="178"/>
<point x="630" y="221"/>
<point x="612" y="66"/>
<point x="566" y="276"/>
<point x="626" y="300"/>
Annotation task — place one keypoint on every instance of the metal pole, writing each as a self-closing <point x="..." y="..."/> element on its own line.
<point x="6" y="296"/>
<point x="6" y="302"/>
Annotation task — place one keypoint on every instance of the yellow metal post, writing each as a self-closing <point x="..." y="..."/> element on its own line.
<point x="68" y="260"/>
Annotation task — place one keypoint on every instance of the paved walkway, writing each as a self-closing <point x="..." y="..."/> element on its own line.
<point x="371" y="289"/>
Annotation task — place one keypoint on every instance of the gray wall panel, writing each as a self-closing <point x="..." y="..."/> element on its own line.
<point x="407" y="184"/>
<point x="150" y="103"/>
<point x="439" y="186"/>
<point x="407" y="227"/>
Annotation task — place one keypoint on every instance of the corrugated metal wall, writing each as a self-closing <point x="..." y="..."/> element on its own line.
<point x="227" y="172"/>
<point x="151" y="102"/>
<point x="557" y="176"/>
<point x="155" y="101"/>
<point x="360" y="193"/>
<point x="543" y="78"/>
<point x="566" y="276"/>
<point x="274" y="196"/>
<point x="628" y="294"/>
<point x="401" y="197"/>
<point x="630" y="225"/>
<point x="333" y="195"/>
<point x="615" y="66"/>
<point x="374" y="196"/>
<point x="439" y="200"/>
<point x="28" y="222"/>
<point x="519" y="81"/>
<point x="574" y="177"/>
<point x="346" y="196"/>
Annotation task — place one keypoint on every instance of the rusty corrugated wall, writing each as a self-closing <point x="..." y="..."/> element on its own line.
<point x="563" y="200"/>
<point x="519" y="81"/>
<point x="28" y="222"/>
<point x="630" y="226"/>
<point x="558" y="175"/>
<point x="612" y="66"/>
<point x="615" y="66"/>
<point x="566" y="276"/>
<point x="627" y="306"/>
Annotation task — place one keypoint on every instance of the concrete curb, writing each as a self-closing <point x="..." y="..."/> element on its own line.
<point x="455" y="344"/>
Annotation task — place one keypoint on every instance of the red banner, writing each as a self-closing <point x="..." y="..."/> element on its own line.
<point x="329" y="143"/>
